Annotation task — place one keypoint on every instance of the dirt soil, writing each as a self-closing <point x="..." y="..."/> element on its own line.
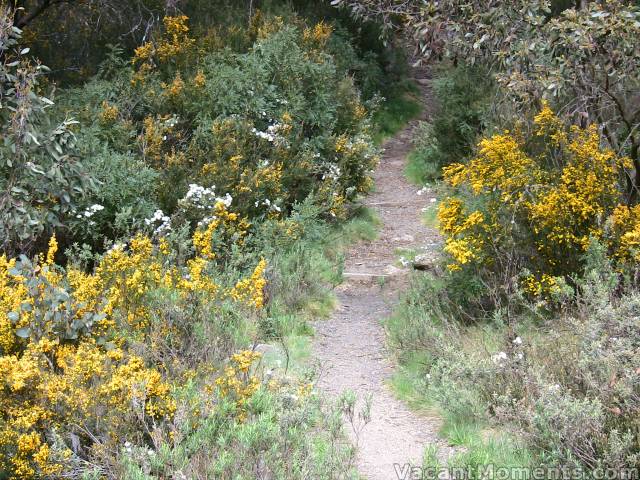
<point x="350" y="347"/>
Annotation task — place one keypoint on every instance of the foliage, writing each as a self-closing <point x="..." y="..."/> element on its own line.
<point x="400" y="106"/>
<point x="269" y="127"/>
<point x="146" y="337"/>
<point x="451" y="134"/>
<point x="584" y="57"/>
<point x="206" y="176"/>
<point x="70" y="334"/>
<point x="288" y="434"/>
<point x="73" y="36"/>
<point x="116" y="336"/>
<point x="566" y="382"/>
<point x="536" y="203"/>
<point x="41" y="179"/>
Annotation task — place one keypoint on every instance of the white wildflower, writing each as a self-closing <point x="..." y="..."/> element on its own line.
<point x="92" y="210"/>
<point x="499" y="358"/>
<point x="160" y="221"/>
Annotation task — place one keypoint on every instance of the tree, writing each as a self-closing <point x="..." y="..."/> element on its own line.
<point x="585" y="57"/>
<point x="40" y="179"/>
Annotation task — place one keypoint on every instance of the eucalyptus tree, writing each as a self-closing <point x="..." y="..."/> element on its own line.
<point x="583" y="55"/>
<point x="40" y="177"/>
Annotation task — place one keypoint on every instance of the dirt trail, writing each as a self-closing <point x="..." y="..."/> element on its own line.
<point x="350" y="346"/>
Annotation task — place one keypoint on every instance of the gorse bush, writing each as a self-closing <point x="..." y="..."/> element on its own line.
<point x="532" y="326"/>
<point x="535" y="202"/>
<point x="67" y="341"/>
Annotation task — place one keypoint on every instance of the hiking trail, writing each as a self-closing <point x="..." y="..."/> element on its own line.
<point x="350" y="346"/>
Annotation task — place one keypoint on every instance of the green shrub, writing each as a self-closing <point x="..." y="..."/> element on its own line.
<point x="566" y="382"/>
<point x="462" y="94"/>
<point x="121" y="199"/>
<point x="41" y="178"/>
<point x="289" y="435"/>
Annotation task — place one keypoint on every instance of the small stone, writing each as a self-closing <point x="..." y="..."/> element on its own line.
<point x="392" y="270"/>
<point x="264" y="348"/>
<point x="425" y="262"/>
<point x="404" y="238"/>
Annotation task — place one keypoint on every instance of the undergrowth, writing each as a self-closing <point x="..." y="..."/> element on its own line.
<point x="401" y="104"/>
<point x="522" y="335"/>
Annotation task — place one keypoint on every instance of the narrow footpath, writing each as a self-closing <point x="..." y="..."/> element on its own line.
<point x="350" y="346"/>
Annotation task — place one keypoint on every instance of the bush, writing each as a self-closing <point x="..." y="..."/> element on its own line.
<point x="528" y="206"/>
<point x="41" y="177"/>
<point x="566" y="382"/>
<point x="287" y="434"/>
<point x="122" y="198"/>
<point x="582" y="396"/>
<point x="462" y="93"/>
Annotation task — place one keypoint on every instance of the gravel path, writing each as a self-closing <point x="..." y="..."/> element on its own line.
<point x="350" y="346"/>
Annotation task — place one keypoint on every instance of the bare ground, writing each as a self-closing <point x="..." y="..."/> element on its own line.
<point x="350" y="346"/>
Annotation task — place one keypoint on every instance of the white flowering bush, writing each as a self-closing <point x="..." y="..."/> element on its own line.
<point x="124" y="188"/>
<point x="185" y="125"/>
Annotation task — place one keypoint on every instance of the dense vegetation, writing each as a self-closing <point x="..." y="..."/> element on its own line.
<point x="176" y="187"/>
<point x="527" y="333"/>
<point x="161" y="218"/>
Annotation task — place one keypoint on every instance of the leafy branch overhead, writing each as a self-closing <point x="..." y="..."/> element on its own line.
<point x="585" y="53"/>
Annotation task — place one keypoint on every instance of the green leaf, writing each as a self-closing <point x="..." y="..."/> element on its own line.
<point x="23" y="332"/>
<point x="13" y="316"/>
<point x="15" y="271"/>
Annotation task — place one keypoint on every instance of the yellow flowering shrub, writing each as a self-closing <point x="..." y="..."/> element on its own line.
<point x="251" y="290"/>
<point x="625" y="229"/>
<point x="237" y="383"/>
<point x="65" y="361"/>
<point x="109" y="113"/>
<point x="173" y="46"/>
<point x="152" y="140"/>
<point x="199" y="81"/>
<point x="175" y="88"/>
<point x="318" y="34"/>
<point x="536" y="203"/>
<point x="58" y="370"/>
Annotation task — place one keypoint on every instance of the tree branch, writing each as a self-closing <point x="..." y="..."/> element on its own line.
<point x="21" y="21"/>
